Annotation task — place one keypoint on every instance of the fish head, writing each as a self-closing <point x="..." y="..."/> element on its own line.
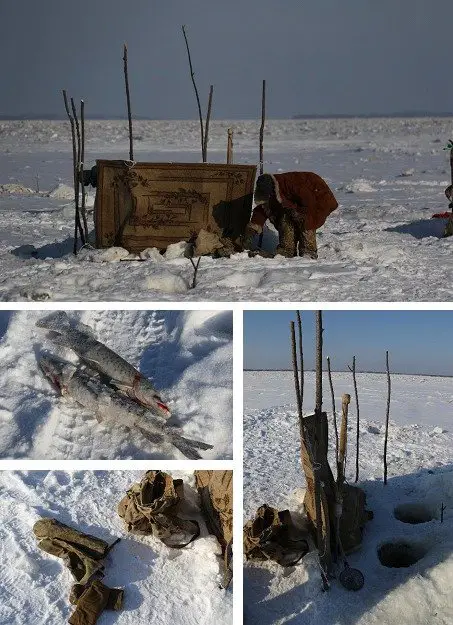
<point x="58" y="372"/>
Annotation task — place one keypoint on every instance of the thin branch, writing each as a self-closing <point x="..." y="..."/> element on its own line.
<point x="128" y="100"/>
<point x="334" y="412"/>
<point x="195" y="271"/>
<point x="82" y="159"/>
<point x="192" y="75"/>
<point x="77" y="170"/>
<point x="263" y="119"/>
<point x="318" y="403"/>
<point x="301" y="356"/>
<point x="208" y="119"/>
<point x="77" y="224"/>
<point x="358" y="420"/>
<point x="296" y="381"/>
<point x="387" y="416"/>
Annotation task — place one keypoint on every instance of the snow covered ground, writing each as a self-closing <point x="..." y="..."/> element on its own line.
<point x="186" y="354"/>
<point x="420" y="457"/>
<point x="389" y="177"/>
<point x="161" y="585"/>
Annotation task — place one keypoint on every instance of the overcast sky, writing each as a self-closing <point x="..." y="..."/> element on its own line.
<point x="417" y="341"/>
<point x="317" y="56"/>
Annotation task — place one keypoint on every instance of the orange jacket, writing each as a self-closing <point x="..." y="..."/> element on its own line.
<point x="304" y="195"/>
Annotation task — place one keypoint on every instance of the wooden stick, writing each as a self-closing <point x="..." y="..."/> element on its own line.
<point x="77" y="172"/>
<point x="128" y="100"/>
<point x="358" y="421"/>
<point x="82" y="159"/>
<point x="318" y="403"/>
<point x="263" y="118"/>
<point x="387" y="416"/>
<point x="296" y="380"/>
<point x="195" y="271"/>
<point x="230" y="146"/>
<point x="208" y="118"/>
<point x="333" y="409"/>
<point x="192" y="75"/>
<point x="312" y="456"/>
<point x="301" y="356"/>
<point x="341" y="465"/>
<point x="77" y="224"/>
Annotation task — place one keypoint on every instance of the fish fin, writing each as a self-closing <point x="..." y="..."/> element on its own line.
<point x="84" y="329"/>
<point x="57" y="321"/>
<point x="120" y="385"/>
<point x="58" y="339"/>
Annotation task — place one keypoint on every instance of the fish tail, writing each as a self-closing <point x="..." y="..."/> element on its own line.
<point x="198" y="444"/>
<point x="185" y="447"/>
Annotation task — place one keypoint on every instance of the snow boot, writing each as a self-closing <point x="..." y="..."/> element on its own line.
<point x="307" y="244"/>
<point x="287" y="245"/>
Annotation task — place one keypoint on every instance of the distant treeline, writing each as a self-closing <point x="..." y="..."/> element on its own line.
<point x="101" y="116"/>
<point x="58" y="116"/>
<point x="401" y="114"/>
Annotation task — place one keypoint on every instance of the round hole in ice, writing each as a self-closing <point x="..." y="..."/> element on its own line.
<point x="413" y="513"/>
<point x="400" y="554"/>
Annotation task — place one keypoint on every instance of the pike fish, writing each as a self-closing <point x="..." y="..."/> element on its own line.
<point x="113" y="407"/>
<point x="97" y="356"/>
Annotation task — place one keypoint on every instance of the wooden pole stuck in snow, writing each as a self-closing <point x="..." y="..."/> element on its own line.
<point x="192" y="75"/>
<point x="82" y="159"/>
<point x="319" y="331"/>
<point x="206" y="132"/>
<point x="358" y="421"/>
<point x="301" y="356"/>
<point x="77" y="170"/>
<point x="128" y="101"/>
<point x="389" y="389"/>
<point x="230" y="146"/>
<point x="334" y="412"/>
<point x="296" y="379"/>
<point x="341" y="469"/>
<point x="263" y="119"/>
<point x="77" y="224"/>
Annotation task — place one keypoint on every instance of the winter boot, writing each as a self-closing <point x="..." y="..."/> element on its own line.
<point x="307" y="244"/>
<point x="287" y="238"/>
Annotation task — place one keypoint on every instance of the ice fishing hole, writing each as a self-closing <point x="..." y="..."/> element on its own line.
<point x="400" y="554"/>
<point x="413" y="513"/>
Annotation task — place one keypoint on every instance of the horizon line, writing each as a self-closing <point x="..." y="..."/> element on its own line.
<point x="430" y="375"/>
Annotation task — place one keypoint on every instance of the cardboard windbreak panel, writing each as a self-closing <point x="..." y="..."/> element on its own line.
<point x="155" y="204"/>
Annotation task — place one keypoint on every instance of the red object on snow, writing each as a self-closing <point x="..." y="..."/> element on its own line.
<point x="441" y="215"/>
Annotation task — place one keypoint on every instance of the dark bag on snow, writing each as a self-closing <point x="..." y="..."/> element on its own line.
<point x="151" y="506"/>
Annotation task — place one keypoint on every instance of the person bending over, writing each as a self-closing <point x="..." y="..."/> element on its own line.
<point x="297" y="203"/>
